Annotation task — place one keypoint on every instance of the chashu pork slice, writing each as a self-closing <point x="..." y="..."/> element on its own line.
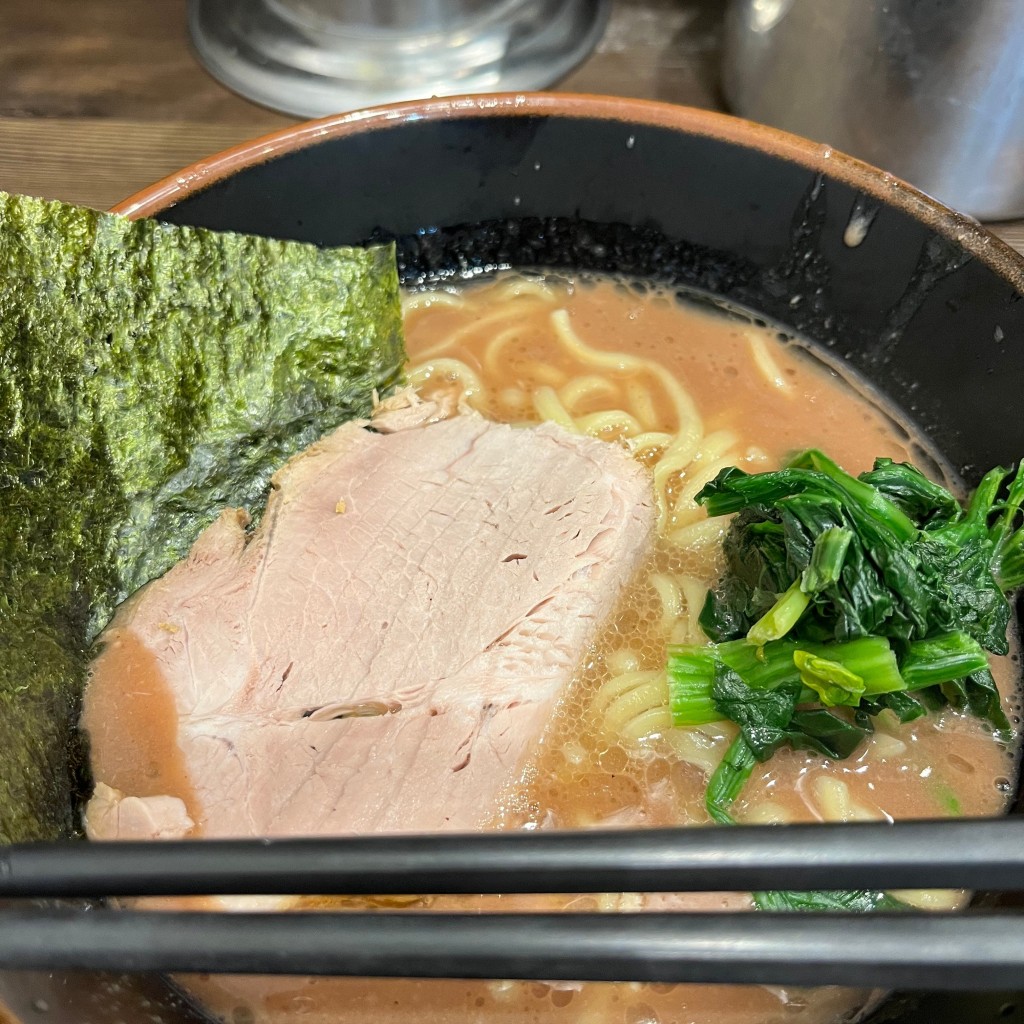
<point x="383" y="653"/>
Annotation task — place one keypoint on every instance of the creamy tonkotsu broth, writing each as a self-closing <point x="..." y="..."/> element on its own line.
<point x="689" y="390"/>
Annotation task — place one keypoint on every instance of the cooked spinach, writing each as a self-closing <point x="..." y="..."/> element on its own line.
<point x="858" y="901"/>
<point x="905" y="563"/>
<point x="149" y="375"/>
<point x="853" y="592"/>
<point x="844" y="596"/>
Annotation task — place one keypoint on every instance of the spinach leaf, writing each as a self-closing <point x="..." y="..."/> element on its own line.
<point x="928" y="504"/>
<point x="857" y="594"/>
<point x="815" y="555"/>
<point x="728" y="779"/>
<point x="824" y="733"/>
<point x="762" y="715"/>
<point x="858" y="901"/>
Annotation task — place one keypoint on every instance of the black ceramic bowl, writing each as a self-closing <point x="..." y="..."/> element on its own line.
<point x="923" y="304"/>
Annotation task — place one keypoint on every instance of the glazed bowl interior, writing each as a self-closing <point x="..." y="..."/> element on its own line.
<point x="922" y="304"/>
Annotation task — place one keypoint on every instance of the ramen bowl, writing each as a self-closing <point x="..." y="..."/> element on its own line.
<point x="919" y="303"/>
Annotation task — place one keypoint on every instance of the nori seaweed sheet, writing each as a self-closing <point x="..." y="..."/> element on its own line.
<point x="149" y="376"/>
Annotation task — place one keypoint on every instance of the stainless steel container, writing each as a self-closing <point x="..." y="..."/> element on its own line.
<point x="315" y="57"/>
<point x="931" y="90"/>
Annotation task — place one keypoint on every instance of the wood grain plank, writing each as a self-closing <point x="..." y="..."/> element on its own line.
<point x="132" y="60"/>
<point x="126" y="59"/>
<point x="99" y="161"/>
<point x="657" y="49"/>
<point x="1011" y="232"/>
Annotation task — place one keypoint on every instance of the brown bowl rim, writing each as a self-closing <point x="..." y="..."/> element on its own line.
<point x="815" y="156"/>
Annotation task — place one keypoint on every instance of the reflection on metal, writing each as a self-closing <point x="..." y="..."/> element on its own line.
<point x="318" y="57"/>
<point x="765" y="14"/>
<point x="931" y="90"/>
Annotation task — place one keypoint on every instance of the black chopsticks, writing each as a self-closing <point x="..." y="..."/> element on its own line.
<point x="935" y="951"/>
<point x="962" y="854"/>
<point x="942" y="951"/>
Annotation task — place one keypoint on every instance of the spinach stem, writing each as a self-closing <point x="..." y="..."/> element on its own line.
<point x="728" y="779"/>
<point x="781" y="617"/>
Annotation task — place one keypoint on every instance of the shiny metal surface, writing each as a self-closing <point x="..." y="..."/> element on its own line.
<point x="318" y="57"/>
<point x="930" y="90"/>
<point x="386" y="15"/>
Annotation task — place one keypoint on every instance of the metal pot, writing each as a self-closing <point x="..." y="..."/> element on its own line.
<point x="314" y="57"/>
<point x="932" y="90"/>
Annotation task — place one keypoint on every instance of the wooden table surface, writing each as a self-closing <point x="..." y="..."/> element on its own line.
<point x="99" y="98"/>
